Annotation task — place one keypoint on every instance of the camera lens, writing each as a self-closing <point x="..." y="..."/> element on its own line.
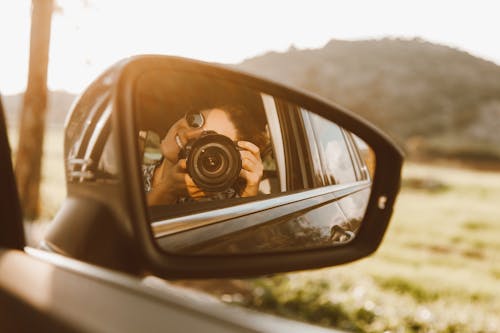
<point x="214" y="162"/>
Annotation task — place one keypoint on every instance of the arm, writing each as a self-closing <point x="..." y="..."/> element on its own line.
<point x="171" y="181"/>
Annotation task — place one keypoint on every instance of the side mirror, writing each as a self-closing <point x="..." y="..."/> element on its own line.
<point x="220" y="173"/>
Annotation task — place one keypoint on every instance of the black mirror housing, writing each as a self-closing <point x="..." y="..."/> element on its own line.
<point x="129" y="205"/>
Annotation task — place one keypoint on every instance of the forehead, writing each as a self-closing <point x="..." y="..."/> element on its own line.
<point x="219" y="121"/>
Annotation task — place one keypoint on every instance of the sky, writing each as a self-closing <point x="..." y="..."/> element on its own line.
<point x="87" y="36"/>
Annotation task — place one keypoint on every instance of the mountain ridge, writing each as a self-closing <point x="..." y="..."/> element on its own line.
<point x="430" y="98"/>
<point x="444" y="99"/>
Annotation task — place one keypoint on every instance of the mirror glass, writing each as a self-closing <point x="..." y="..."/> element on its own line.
<point x="228" y="169"/>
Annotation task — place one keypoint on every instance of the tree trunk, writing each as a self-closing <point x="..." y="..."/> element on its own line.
<point x="31" y="133"/>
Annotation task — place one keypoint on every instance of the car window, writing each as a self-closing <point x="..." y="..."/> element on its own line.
<point x="366" y="156"/>
<point x="92" y="157"/>
<point x="328" y="142"/>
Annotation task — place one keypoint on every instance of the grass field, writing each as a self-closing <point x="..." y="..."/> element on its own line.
<point x="438" y="269"/>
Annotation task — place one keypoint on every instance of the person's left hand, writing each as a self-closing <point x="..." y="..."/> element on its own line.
<point x="251" y="168"/>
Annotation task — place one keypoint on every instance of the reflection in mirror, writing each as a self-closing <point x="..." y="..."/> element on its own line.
<point x="228" y="169"/>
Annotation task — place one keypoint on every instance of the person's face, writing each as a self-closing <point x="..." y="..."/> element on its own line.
<point x="215" y="120"/>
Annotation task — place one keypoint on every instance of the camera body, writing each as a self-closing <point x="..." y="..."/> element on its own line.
<point x="213" y="161"/>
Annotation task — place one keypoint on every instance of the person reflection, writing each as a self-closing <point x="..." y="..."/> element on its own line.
<point x="168" y="182"/>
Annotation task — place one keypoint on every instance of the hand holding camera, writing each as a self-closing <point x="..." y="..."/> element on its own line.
<point x="215" y="163"/>
<point x="201" y="158"/>
<point x="252" y="168"/>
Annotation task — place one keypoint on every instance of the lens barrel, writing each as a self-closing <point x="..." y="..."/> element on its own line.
<point x="213" y="162"/>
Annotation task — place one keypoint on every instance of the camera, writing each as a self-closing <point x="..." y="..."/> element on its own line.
<point x="213" y="161"/>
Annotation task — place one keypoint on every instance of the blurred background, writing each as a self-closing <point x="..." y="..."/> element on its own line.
<point x="425" y="72"/>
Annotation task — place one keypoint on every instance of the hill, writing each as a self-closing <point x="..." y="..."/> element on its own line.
<point x="435" y="101"/>
<point x="59" y="103"/>
<point x="431" y="98"/>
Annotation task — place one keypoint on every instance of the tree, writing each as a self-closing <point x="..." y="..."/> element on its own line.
<point x="31" y="133"/>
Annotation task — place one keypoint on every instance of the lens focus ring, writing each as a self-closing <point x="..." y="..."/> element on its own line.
<point x="214" y="163"/>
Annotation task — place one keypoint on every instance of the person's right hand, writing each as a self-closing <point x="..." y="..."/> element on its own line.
<point x="167" y="183"/>
<point x="192" y="189"/>
<point x="171" y="181"/>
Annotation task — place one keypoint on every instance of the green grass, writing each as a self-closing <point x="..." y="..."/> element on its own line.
<point x="437" y="270"/>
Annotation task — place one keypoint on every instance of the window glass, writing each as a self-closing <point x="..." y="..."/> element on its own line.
<point x="107" y="167"/>
<point x="328" y="139"/>
<point x="367" y="156"/>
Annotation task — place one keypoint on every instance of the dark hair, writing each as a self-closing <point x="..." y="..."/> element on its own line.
<point x="250" y="126"/>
